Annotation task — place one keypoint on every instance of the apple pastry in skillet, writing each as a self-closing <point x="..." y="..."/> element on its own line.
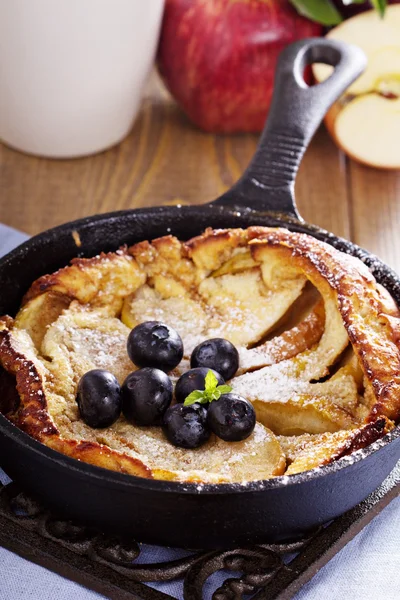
<point x="236" y="356"/>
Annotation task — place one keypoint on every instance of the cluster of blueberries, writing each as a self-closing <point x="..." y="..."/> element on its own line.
<point x="204" y="403"/>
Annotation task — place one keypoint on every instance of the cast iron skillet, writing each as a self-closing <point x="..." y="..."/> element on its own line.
<point x="188" y="515"/>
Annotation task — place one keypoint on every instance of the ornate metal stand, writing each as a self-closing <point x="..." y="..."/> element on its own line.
<point x="107" y="565"/>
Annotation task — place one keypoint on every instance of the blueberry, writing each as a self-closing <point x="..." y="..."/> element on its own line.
<point x="146" y="395"/>
<point x="218" y="354"/>
<point x="186" y="426"/>
<point x="154" y="344"/>
<point x="231" y="417"/>
<point x="193" y="380"/>
<point x="99" y="398"/>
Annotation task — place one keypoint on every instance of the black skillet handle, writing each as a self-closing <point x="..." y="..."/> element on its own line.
<point x="295" y="114"/>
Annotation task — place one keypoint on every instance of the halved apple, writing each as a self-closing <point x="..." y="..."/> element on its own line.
<point x="365" y="122"/>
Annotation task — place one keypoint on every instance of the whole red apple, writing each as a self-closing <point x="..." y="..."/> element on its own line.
<point x="218" y="57"/>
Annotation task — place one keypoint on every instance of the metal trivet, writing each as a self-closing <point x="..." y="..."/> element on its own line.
<point x="107" y="564"/>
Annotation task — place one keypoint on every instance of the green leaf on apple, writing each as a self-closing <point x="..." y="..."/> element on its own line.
<point x="380" y="6"/>
<point x="322" y="11"/>
<point x="349" y="2"/>
<point x="326" y="13"/>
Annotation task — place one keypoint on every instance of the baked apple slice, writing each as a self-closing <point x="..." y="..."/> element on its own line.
<point x="305" y="452"/>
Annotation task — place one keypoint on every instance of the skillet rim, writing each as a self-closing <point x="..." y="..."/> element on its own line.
<point x="193" y="488"/>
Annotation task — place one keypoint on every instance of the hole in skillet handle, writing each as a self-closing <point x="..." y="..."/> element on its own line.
<point x="296" y="111"/>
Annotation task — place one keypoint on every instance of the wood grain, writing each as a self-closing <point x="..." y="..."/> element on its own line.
<point x="165" y="159"/>
<point x="322" y="192"/>
<point x="375" y="202"/>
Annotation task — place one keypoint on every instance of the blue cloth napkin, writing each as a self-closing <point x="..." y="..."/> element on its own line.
<point x="368" y="568"/>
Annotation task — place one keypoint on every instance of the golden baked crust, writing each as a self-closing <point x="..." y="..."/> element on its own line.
<point x="305" y="452"/>
<point x="317" y="339"/>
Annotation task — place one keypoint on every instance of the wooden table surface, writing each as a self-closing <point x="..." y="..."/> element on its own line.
<point x="166" y="160"/>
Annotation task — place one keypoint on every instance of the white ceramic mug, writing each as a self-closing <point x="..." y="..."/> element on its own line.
<point x="72" y="72"/>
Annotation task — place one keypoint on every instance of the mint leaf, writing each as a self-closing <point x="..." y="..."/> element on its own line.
<point x="380" y="6"/>
<point x="212" y="392"/>
<point x="224" y="389"/>
<point x="211" y="381"/>
<point x="321" y="11"/>
<point x="195" y="396"/>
